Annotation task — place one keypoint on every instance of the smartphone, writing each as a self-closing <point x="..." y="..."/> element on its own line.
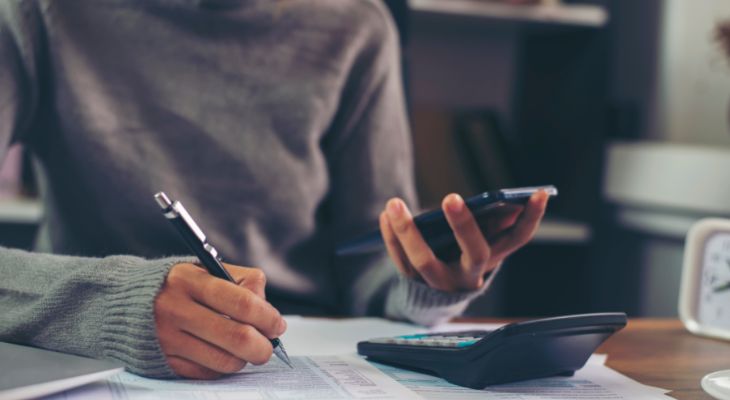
<point x="435" y="229"/>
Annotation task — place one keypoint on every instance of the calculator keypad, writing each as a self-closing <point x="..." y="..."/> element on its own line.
<point x="447" y="339"/>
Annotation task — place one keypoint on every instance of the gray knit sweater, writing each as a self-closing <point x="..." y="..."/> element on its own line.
<point x="279" y="124"/>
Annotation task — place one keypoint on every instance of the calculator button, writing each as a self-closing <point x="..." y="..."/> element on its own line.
<point x="412" y="337"/>
<point x="458" y="339"/>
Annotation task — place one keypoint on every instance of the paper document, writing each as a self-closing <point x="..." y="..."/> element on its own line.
<point x="327" y="367"/>
<point x="327" y="336"/>
<point x="331" y="336"/>
<point x="593" y="382"/>
<point x="322" y="377"/>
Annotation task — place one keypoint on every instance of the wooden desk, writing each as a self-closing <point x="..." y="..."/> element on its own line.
<point x="660" y="352"/>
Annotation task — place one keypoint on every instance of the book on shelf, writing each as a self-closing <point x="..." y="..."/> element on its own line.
<point x="10" y="172"/>
<point x="484" y="150"/>
<point x="459" y="151"/>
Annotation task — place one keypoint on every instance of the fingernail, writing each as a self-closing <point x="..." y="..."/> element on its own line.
<point x="282" y="326"/>
<point x="455" y="203"/>
<point x="394" y="209"/>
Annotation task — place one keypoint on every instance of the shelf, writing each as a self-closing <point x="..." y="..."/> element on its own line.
<point x="20" y="211"/>
<point x="578" y="15"/>
<point x="552" y="230"/>
<point x="559" y="231"/>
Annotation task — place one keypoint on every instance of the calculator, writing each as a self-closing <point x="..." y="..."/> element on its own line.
<point x="518" y="351"/>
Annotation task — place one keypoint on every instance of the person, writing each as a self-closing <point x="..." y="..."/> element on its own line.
<point x="279" y="124"/>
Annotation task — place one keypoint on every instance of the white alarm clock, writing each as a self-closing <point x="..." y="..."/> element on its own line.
<point x="704" y="298"/>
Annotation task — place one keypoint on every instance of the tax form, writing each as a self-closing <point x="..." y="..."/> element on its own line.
<point x="317" y="377"/>
<point x="595" y="381"/>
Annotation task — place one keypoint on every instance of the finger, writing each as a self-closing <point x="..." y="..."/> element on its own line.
<point x="475" y="251"/>
<point x="238" y="303"/>
<point x="189" y="369"/>
<point x="241" y="340"/>
<point x="496" y="222"/>
<point x="184" y="345"/>
<point x="524" y="228"/>
<point x="417" y="251"/>
<point x="394" y="248"/>
<point x="252" y="279"/>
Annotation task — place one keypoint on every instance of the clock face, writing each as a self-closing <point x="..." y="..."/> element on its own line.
<point x="714" y="302"/>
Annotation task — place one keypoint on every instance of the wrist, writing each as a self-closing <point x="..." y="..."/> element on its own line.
<point x="415" y="301"/>
<point x="128" y="331"/>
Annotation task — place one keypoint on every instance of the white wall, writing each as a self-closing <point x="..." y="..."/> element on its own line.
<point x="693" y="90"/>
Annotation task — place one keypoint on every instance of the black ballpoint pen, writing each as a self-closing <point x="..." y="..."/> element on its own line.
<point x="206" y="253"/>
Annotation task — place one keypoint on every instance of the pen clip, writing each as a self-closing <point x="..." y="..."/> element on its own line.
<point x="180" y="210"/>
<point x="174" y="210"/>
<point x="211" y="250"/>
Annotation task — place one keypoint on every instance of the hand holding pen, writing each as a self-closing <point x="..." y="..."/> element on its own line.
<point x="209" y="326"/>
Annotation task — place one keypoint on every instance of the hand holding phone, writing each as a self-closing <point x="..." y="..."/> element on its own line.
<point x="453" y="248"/>
<point x="435" y="229"/>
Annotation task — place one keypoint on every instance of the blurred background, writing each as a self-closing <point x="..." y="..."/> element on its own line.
<point x="622" y="104"/>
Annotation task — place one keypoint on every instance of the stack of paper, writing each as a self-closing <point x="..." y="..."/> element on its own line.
<point x="327" y="367"/>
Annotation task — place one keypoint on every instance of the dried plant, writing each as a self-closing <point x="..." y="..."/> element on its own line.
<point x="722" y="36"/>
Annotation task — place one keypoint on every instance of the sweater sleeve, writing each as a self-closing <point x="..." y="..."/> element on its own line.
<point x="371" y="160"/>
<point x="96" y="307"/>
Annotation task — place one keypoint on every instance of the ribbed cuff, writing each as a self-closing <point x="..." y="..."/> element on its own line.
<point x="128" y="332"/>
<point x="419" y="303"/>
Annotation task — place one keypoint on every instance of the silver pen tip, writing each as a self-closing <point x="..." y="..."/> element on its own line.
<point x="281" y="354"/>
